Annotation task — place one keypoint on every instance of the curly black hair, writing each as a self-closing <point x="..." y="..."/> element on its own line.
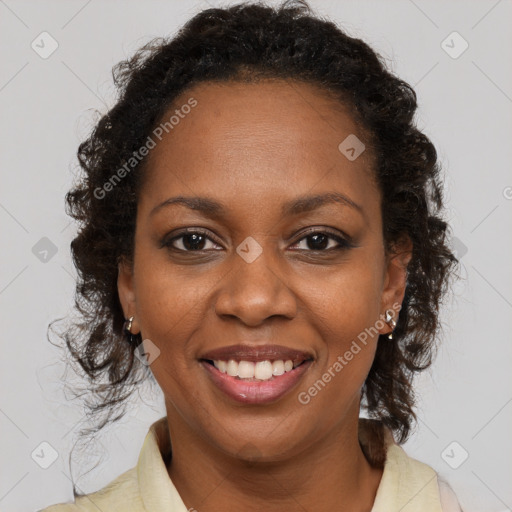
<point x="247" y="42"/>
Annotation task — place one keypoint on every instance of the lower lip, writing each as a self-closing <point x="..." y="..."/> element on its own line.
<point x="256" y="392"/>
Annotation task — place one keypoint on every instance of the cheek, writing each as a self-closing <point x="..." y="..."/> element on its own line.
<point x="166" y="305"/>
<point x="169" y="313"/>
<point x="346" y="314"/>
<point x="168" y="295"/>
<point x="170" y="307"/>
<point x="350" y="340"/>
<point x="348" y="302"/>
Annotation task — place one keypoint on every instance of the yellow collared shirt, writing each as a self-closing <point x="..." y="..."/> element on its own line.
<point x="407" y="485"/>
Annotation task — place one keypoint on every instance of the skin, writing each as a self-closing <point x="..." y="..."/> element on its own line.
<point x="254" y="147"/>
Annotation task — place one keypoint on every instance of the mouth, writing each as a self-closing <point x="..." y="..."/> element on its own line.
<point x="251" y="371"/>
<point x="256" y="374"/>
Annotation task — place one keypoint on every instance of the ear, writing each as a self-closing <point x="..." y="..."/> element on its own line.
<point x="126" y="291"/>
<point x="395" y="280"/>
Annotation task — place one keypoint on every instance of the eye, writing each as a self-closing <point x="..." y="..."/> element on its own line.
<point x="190" y="240"/>
<point x="197" y="240"/>
<point x="323" y="240"/>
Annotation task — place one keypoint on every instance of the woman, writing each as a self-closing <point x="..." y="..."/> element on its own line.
<point x="261" y="231"/>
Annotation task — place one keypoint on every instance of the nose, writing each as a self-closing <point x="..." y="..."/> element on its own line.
<point x="254" y="292"/>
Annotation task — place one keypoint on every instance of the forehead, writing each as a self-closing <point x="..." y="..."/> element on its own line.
<point x="279" y="111"/>
<point x="273" y="138"/>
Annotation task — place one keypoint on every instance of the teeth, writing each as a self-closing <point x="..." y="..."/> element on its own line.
<point x="231" y="368"/>
<point x="278" y="367"/>
<point x="246" y="369"/>
<point x="261" y="370"/>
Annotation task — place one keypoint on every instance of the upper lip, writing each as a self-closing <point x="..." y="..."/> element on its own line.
<point x="257" y="353"/>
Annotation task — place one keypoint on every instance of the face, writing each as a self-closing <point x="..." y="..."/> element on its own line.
<point x="262" y="266"/>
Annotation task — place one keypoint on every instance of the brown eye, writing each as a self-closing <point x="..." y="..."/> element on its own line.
<point x="190" y="241"/>
<point x="323" y="241"/>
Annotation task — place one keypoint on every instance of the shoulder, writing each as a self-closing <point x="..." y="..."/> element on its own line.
<point x="449" y="501"/>
<point x="120" y="494"/>
<point x="418" y="482"/>
<point x="407" y="484"/>
<point x="147" y="483"/>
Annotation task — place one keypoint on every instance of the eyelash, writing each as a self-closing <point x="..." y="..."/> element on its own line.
<point x="344" y="243"/>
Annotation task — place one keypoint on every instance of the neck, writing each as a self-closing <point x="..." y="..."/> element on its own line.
<point x="330" y="473"/>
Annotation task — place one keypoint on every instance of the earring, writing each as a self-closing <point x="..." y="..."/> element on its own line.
<point x="128" y="324"/>
<point x="390" y="320"/>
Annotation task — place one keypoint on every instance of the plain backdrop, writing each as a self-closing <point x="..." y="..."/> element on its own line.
<point x="47" y="107"/>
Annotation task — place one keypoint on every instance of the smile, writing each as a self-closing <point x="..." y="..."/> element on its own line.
<point x="261" y="370"/>
<point x="260" y="382"/>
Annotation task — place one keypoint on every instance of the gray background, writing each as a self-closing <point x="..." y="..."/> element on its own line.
<point x="47" y="108"/>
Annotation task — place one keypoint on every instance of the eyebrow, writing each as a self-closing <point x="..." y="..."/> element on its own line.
<point x="302" y="204"/>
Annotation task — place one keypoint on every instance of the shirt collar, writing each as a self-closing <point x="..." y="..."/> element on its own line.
<point x="159" y="494"/>
<point x="157" y="491"/>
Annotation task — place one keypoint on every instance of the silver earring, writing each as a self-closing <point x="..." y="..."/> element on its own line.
<point x="390" y="321"/>
<point x="128" y="324"/>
